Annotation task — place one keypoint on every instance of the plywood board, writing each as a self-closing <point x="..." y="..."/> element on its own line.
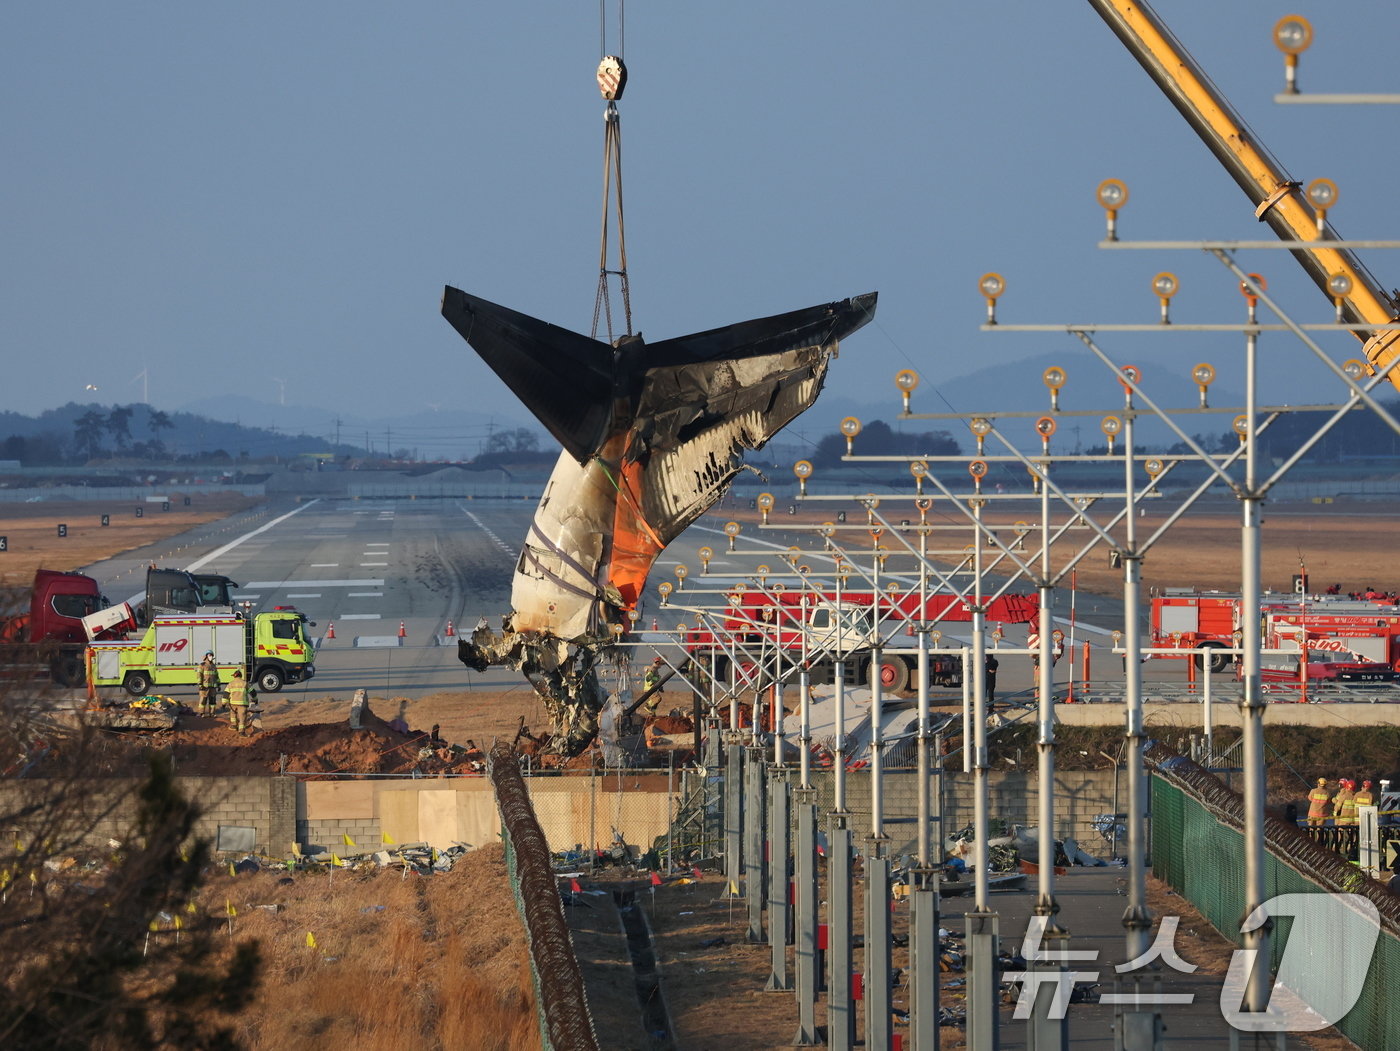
<point x="339" y="800"/>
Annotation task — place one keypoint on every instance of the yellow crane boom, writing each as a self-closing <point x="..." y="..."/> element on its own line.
<point x="1278" y="200"/>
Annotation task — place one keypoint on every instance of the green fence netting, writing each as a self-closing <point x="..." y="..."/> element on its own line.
<point x="1197" y="848"/>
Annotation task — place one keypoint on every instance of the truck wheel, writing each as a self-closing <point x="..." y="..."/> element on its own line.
<point x="68" y="671"/>
<point x="270" y="680"/>
<point x="137" y="683"/>
<point x="893" y="672"/>
<point x="1218" y="661"/>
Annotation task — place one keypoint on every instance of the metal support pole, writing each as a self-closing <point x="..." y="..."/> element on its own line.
<point x="734" y="808"/>
<point x="840" y="1005"/>
<point x="1257" y="987"/>
<point x="753" y="840"/>
<point x="805" y="950"/>
<point x="984" y="991"/>
<point x="1047" y="1029"/>
<point x="1137" y="920"/>
<point x="779" y="906"/>
<point x="925" y="918"/>
<point x="878" y="1020"/>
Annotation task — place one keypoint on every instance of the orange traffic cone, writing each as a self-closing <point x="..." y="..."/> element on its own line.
<point x="403" y="634"/>
<point x="330" y="630"/>
<point x="450" y="632"/>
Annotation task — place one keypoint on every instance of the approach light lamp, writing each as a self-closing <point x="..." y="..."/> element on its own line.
<point x="843" y="571"/>
<point x="765" y="504"/>
<point x="870" y="502"/>
<point x="892" y="588"/>
<point x="792" y="554"/>
<point x="919" y="469"/>
<point x="850" y="427"/>
<point x="1035" y="469"/>
<point x="923" y="504"/>
<point x="1292" y="35"/>
<point x="827" y="529"/>
<point x="991" y="286"/>
<point x="935" y="636"/>
<point x="1153" y="467"/>
<point x="681" y="573"/>
<point x="1112" y="195"/>
<point x="731" y="530"/>
<point x="1322" y="195"/>
<point x="1054" y="377"/>
<point x="682" y="628"/>
<point x="1045" y="427"/>
<point x="705" y="554"/>
<point x="1240" y="425"/>
<point x="761" y="571"/>
<point x="1111" y="426"/>
<point x="779" y="587"/>
<point x="617" y="631"/>
<point x="664" y="590"/>
<point x="1354" y="369"/>
<point x="1251" y="295"/>
<point x="741" y="587"/>
<point x="1117" y="638"/>
<point x="1203" y="375"/>
<point x="634" y="615"/>
<point x="804" y="569"/>
<point x="1339" y="287"/>
<point x="978" y="470"/>
<point x="1164" y="286"/>
<point x="803" y="470"/>
<point x="907" y="380"/>
<point x="1130" y="378"/>
<point x="1022" y="528"/>
<point x="998" y="634"/>
<point x="980" y="427"/>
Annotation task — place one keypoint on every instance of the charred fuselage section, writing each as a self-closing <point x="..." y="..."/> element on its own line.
<point x="652" y="434"/>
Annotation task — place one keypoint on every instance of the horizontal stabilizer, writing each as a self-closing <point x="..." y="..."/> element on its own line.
<point x="564" y="378"/>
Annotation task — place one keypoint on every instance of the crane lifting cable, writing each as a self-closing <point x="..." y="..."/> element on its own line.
<point x="612" y="79"/>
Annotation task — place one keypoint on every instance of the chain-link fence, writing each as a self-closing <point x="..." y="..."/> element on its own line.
<point x="1197" y="848"/>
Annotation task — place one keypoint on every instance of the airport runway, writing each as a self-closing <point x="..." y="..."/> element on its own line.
<point x="368" y="565"/>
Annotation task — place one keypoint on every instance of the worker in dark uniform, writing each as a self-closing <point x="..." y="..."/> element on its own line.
<point x="991" y="676"/>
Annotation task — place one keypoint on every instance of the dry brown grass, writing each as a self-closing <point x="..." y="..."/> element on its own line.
<point x="33" y="530"/>
<point x="399" y="963"/>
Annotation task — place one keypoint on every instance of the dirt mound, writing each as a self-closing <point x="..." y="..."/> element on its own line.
<point x="210" y="747"/>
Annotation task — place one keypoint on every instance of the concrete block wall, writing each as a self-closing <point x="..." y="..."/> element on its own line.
<point x="1080" y="797"/>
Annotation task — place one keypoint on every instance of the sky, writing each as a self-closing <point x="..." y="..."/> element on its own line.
<point x="264" y="200"/>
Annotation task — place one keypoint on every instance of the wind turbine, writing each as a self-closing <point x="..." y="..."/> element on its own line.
<point x="281" y="391"/>
<point x="145" y="378"/>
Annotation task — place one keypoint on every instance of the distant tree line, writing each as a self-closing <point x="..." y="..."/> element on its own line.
<point x="878" y="438"/>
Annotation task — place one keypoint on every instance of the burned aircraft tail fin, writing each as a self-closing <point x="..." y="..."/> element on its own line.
<point x="811" y="326"/>
<point x="564" y="378"/>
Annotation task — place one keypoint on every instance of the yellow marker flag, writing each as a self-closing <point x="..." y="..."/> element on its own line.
<point x="733" y="891"/>
<point x="179" y="923"/>
<point x="153" y="926"/>
<point x="337" y="862"/>
<point x="190" y="908"/>
<point x="387" y="838"/>
<point x="230" y="869"/>
<point x="348" y="841"/>
<point x="310" y="940"/>
<point x="228" y="907"/>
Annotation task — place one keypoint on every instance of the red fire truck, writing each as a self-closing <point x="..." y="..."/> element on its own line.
<point x="848" y="625"/>
<point x="1189" y="618"/>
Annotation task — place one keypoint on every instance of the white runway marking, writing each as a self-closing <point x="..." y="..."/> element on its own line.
<point x="364" y="594"/>
<point x="480" y="525"/>
<point x="360" y="616"/>
<point x="377" y="543"/>
<point x="367" y="582"/>
<point x="220" y="552"/>
<point x="304" y="594"/>
<point x="372" y="565"/>
<point x="325" y="565"/>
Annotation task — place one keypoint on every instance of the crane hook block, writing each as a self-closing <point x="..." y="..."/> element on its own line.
<point x="612" y="78"/>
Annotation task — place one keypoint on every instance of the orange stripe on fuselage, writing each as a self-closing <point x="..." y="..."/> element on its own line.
<point x="635" y="545"/>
